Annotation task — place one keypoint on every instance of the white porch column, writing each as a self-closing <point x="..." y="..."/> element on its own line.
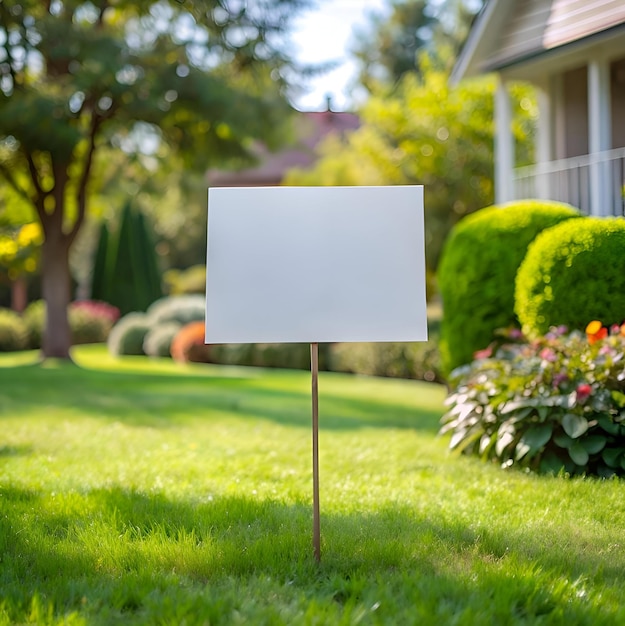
<point x="504" y="145"/>
<point x="544" y="140"/>
<point x="599" y="136"/>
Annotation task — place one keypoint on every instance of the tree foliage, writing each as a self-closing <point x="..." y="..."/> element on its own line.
<point x="391" y="46"/>
<point x="204" y="77"/>
<point x="425" y="132"/>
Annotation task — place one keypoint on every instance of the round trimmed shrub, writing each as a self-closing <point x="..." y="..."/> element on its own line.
<point x="13" y="331"/>
<point x="477" y="271"/>
<point x="573" y="273"/>
<point x="158" y="340"/>
<point x="128" y="334"/>
<point x="182" y="309"/>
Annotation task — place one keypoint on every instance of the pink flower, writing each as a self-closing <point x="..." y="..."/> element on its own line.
<point x="483" y="354"/>
<point x="547" y="354"/>
<point x="582" y="392"/>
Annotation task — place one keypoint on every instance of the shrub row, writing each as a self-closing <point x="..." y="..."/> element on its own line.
<point x="90" y="322"/>
<point x="152" y="333"/>
<point x="553" y="404"/>
<point x="174" y="326"/>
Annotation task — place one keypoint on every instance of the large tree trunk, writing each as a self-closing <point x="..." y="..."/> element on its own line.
<point x="19" y="294"/>
<point x="56" y="286"/>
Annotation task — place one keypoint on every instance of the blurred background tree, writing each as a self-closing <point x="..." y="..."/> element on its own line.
<point x="80" y="78"/>
<point x="390" y="47"/>
<point x="416" y="129"/>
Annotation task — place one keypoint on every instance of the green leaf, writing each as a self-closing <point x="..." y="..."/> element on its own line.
<point x="608" y="425"/>
<point x="505" y="436"/>
<point x="594" y="443"/>
<point x="521" y="450"/>
<point x="551" y="463"/>
<point x="610" y="456"/>
<point x="457" y="438"/>
<point x="533" y="439"/>
<point x="623" y="462"/>
<point x="619" y="398"/>
<point x="486" y="443"/>
<point x="574" y="425"/>
<point x="578" y="454"/>
<point x="563" y="440"/>
<point x="515" y="405"/>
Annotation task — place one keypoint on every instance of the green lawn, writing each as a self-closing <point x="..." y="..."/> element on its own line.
<point x="140" y="492"/>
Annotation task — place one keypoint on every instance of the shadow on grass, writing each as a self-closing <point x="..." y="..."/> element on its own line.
<point x="114" y="555"/>
<point x="162" y="400"/>
<point x="9" y="451"/>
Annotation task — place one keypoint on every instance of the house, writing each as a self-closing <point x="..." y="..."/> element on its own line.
<point x="573" y="52"/>
<point x="310" y="129"/>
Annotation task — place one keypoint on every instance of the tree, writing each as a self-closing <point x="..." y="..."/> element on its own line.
<point x="426" y="132"/>
<point x="391" y="46"/>
<point x="201" y="76"/>
<point x="20" y="250"/>
<point x="126" y="272"/>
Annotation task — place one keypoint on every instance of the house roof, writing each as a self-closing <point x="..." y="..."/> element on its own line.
<point x="512" y="32"/>
<point x="310" y="128"/>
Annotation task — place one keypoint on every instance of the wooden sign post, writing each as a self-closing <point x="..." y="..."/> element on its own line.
<point x="313" y="265"/>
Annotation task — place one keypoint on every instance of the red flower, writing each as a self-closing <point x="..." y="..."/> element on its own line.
<point x="582" y="392"/>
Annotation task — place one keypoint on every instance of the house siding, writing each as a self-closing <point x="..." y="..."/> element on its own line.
<point x="535" y="26"/>
<point x="571" y="20"/>
<point x="523" y="32"/>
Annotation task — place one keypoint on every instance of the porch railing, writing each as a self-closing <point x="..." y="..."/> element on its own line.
<point x="592" y="180"/>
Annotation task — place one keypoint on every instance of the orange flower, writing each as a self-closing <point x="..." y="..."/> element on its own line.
<point x="595" y="331"/>
<point x="594" y="327"/>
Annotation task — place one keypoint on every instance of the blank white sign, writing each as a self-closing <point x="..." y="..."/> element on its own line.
<point x="315" y="264"/>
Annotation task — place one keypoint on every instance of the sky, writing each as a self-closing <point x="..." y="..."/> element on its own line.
<point x="325" y="34"/>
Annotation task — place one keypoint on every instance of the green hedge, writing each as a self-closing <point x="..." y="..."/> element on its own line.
<point x="477" y="271"/>
<point x="573" y="273"/>
<point x="13" y="331"/>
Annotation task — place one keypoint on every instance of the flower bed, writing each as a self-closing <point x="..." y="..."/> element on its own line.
<point x="552" y="404"/>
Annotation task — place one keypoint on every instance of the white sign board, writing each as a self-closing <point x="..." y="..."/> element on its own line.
<point x="315" y="264"/>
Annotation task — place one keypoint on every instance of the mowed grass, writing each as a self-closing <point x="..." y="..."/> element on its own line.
<point x="142" y="492"/>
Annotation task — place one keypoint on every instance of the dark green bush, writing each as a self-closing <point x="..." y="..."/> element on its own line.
<point x="573" y="273"/>
<point x="477" y="271"/>
<point x="13" y="331"/>
<point x="128" y="334"/>
<point x="553" y="404"/>
<point x="279" y="355"/>
<point x="158" y="339"/>
<point x="396" y="360"/>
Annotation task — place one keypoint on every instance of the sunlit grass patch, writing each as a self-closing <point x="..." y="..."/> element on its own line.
<point x="138" y="492"/>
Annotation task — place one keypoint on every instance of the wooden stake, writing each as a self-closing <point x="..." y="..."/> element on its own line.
<point x="314" y="367"/>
